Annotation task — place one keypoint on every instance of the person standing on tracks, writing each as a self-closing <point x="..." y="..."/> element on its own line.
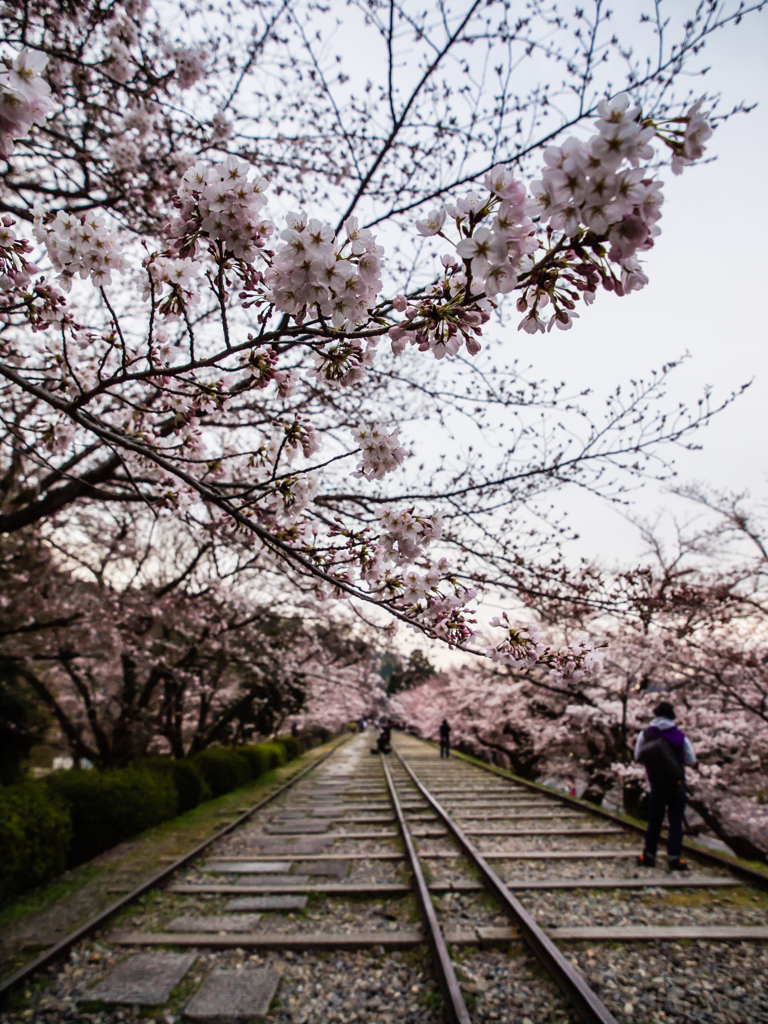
<point x="445" y="739"/>
<point x="664" y="750"/>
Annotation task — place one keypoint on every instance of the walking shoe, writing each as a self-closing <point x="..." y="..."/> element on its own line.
<point x="678" y="865"/>
<point x="645" y="860"/>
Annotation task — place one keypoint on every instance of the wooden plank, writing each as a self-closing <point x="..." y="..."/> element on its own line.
<point x="666" y="933"/>
<point x="389" y="820"/>
<point x="541" y="855"/>
<point x="362" y="835"/>
<point x="325" y="888"/>
<point x="405" y="938"/>
<point x="324" y="856"/>
<point x="680" y="882"/>
<point x="608" y="830"/>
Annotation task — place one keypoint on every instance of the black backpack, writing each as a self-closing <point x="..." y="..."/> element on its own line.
<point x="663" y="764"/>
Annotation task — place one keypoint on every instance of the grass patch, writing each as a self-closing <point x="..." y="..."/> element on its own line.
<point x="743" y="897"/>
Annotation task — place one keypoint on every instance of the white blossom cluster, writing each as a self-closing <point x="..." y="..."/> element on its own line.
<point x="25" y="98"/>
<point x="311" y="269"/>
<point x="380" y="452"/>
<point x="80" y="244"/>
<point x="221" y="203"/>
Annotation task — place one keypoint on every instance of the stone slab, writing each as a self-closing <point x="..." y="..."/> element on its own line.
<point x="336" y="868"/>
<point x="274" y="880"/>
<point x="268" y="904"/>
<point x="288" y="846"/>
<point x="228" y="996"/>
<point x="215" y="923"/>
<point x="250" y="867"/>
<point x="302" y="826"/>
<point x="146" y="979"/>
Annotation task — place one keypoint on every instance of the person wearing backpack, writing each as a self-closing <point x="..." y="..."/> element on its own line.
<point x="664" y="750"/>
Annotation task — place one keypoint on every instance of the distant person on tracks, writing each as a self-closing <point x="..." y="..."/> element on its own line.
<point x="384" y="742"/>
<point x="445" y="739"/>
<point x="664" y="750"/>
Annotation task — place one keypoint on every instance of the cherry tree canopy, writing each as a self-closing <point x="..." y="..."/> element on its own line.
<point x="237" y="269"/>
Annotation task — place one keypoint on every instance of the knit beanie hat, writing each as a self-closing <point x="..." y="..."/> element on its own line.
<point x="664" y="710"/>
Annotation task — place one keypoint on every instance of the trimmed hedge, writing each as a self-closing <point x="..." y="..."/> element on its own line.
<point x="291" y="745"/>
<point x="35" y="834"/>
<point x="188" y="779"/>
<point x="257" y="757"/>
<point x="110" y="806"/>
<point x="73" y="815"/>
<point x="223" y="769"/>
<point x="275" y="751"/>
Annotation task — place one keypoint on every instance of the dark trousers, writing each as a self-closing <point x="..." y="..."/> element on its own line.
<point x="669" y="798"/>
<point x="445" y="747"/>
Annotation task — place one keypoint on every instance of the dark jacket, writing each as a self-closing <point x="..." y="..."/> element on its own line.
<point x="675" y="737"/>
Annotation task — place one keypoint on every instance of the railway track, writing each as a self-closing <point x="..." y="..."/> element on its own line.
<point x="413" y="890"/>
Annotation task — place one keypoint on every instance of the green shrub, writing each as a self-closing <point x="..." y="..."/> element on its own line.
<point x="224" y="770"/>
<point x="257" y="757"/>
<point x="110" y="806"/>
<point x="275" y="752"/>
<point x="291" y="745"/>
<point x="188" y="779"/>
<point x="35" y="834"/>
<point x="191" y="785"/>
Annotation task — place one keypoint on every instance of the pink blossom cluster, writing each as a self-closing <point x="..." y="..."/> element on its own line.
<point x="312" y="270"/>
<point x="15" y="269"/>
<point x="221" y="203"/>
<point x="577" y="662"/>
<point x="441" y="323"/>
<point x="25" y="97"/>
<point x="592" y="211"/>
<point x="380" y="451"/>
<point x="190" y="65"/>
<point x="522" y="647"/>
<point x="695" y="133"/>
<point x="405" y="534"/>
<point x="495" y="254"/>
<point x="80" y="244"/>
<point x="260" y="365"/>
<point x="345" y="362"/>
<point x="178" y="274"/>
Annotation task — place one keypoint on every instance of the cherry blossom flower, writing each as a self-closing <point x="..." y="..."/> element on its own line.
<point x="380" y="452"/>
<point x="25" y="97"/>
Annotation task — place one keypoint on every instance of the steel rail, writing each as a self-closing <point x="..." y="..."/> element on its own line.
<point x="738" y="867"/>
<point x="587" y="1004"/>
<point x="49" y="955"/>
<point x="455" y="1006"/>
